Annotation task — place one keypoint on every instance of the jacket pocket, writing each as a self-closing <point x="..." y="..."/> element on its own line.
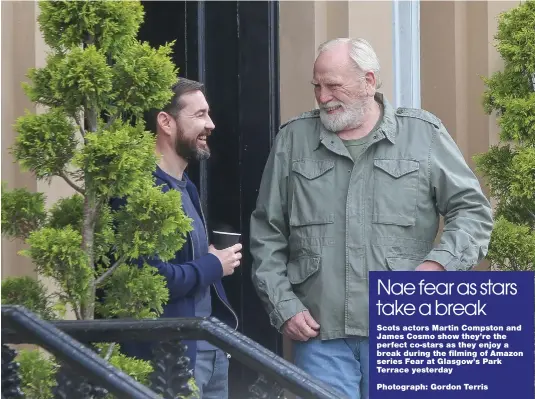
<point x="301" y="269"/>
<point x="312" y="168"/>
<point x="397" y="264"/>
<point x="312" y="182"/>
<point x="395" y="191"/>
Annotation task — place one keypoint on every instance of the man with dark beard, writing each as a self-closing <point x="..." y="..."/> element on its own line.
<point x="352" y="187"/>
<point x="182" y="129"/>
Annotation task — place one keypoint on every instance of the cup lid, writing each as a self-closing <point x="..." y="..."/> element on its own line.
<point x="226" y="232"/>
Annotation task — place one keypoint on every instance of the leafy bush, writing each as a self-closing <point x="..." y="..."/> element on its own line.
<point x="37" y="373"/>
<point x="30" y="293"/>
<point x="510" y="165"/>
<point x="96" y="85"/>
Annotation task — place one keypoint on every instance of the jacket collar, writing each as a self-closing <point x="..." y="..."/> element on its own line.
<point x="159" y="173"/>
<point x="387" y="126"/>
<point x="190" y="188"/>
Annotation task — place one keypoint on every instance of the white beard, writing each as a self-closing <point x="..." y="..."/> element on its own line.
<point x="350" y="117"/>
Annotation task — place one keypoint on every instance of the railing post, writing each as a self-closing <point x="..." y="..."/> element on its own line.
<point x="10" y="374"/>
<point x="71" y="385"/>
<point x="171" y="370"/>
<point x="263" y="389"/>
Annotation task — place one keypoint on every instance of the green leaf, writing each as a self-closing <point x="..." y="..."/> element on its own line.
<point x="140" y="222"/>
<point x="517" y="122"/>
<point x="110" y="25"/>
<point x="118" y="161"/>
<point x="512" y="246"/>
<point x="58" y="254"/>
<point x="523" y="177"/>
<point x="143" y="77"/>
<point x="22" y="212"/>
<point x="76" y="79"/>
<point x="40" y="89"/>
<point x="83" y="78"/>
<point x="37" y="373"/>
<point x="516" y="36"/>
<point x="45" y="143"/>
<point x="134" y="292"/>
<point x="70" y="211"/>
<point x="30" y="293"/>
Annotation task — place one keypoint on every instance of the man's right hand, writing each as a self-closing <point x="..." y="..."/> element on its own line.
<point x="229" y="257"/>
<point x="301" y="327"/>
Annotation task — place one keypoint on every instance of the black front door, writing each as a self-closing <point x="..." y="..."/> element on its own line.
<point x="231" y="46"/>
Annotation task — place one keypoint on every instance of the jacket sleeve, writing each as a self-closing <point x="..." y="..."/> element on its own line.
<point x="459" y="198"/>
<point x="186" y="278"/>
<point x="269" y="238"/>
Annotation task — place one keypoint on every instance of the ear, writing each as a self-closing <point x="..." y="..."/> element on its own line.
<point x="370" y="83"/>
<point x="165" y="122"/>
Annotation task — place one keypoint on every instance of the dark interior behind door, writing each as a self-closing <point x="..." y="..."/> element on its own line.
<point x="232" y="47"/>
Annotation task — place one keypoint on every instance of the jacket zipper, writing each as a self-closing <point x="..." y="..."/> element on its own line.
<point x="228" y="307"/>
<point x="213" y="285"/>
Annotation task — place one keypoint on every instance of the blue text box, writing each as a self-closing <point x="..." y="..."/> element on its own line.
<point x="451" y="334"/>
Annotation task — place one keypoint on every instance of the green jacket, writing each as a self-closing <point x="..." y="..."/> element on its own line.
<point x="322" y="221"/>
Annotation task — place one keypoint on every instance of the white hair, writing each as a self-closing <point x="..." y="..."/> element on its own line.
<point x="361" y="52"/>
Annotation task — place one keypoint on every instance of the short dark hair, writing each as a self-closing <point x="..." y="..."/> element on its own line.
<point x="183" y="86"/>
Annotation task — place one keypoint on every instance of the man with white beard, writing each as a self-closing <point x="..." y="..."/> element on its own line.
<point x="352" y="187"/>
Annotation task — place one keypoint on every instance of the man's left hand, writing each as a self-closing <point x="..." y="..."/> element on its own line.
<point x="429" y="266"/>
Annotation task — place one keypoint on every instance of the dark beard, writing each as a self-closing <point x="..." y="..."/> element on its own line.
<point x="188" y="150"/>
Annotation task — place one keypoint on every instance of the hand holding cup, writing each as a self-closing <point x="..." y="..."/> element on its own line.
<point x="226" y="248"/>
<point x="229" y="257"/>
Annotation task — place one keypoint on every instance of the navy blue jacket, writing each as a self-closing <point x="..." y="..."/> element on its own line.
<point x="185" y="276"/>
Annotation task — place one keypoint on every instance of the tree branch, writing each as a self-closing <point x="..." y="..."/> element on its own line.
<point x="66" y="298"/>
<point x="79" y="123"/>
<point x="110" y="351"/>
<point x="112" y="119"/>
<point x="71" y="183"/>
<point x="74" y="307"/>
<point x="513" y="264"/>
<point x="87" y="307"/>
<point x="92" y="119"/>
<point x="108" y="272"/>
<point x="77" y="313"/>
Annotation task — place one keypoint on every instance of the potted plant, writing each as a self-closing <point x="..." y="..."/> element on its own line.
<point x="97" y="83"/>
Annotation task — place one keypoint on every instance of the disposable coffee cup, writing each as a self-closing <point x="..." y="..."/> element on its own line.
<point x="224" y="239"/>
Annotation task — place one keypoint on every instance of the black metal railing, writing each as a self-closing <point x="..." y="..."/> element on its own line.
<point x="80" y="359"/>
<point x="21" y="326"/>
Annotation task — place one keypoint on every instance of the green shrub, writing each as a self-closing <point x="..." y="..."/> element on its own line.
<point x="30" y="293"/>
<point x="95" y="87"/>
<point x="509" y="166"/>
<point x="37" y="374"/>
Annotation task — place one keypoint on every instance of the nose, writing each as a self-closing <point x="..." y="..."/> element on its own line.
<point x="323" y="95"/>
<point x="210" y="124"/>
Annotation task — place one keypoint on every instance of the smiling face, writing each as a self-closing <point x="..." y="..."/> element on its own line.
<point x="189" y="130"/>
<point x="341" y="90"/>
<point x="193" y="127"/>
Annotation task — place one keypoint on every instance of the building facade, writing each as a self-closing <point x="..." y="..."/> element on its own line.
<point x="432" y="54"/>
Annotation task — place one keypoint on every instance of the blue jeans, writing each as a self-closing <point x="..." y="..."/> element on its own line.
<point x="342" y="364"/>
<point x="211" y="374"/>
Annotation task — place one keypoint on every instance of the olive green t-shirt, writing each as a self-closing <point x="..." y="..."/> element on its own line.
<point x="357" y="147"/>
